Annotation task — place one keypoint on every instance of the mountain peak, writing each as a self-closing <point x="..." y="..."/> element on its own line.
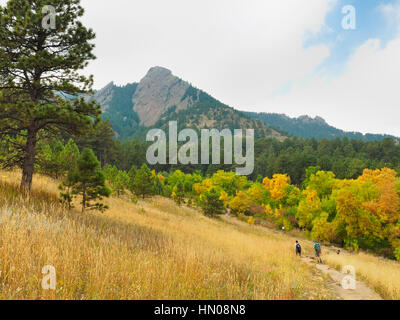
<point x="104" y="95"/>
<point x="158" y="71"/>
<point x="111" y="84"/>
<point x="158" y="91"/>
<point x="310" y="120"/>
<point x="161" y="97"/>
<point x="320" y="120"/>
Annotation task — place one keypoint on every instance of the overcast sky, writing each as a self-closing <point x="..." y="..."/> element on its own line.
<point x="286" y="56"/>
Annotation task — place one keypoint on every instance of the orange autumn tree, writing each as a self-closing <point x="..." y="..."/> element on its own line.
<point x="369" y="208"/>
<point x="277" y="185"/>
<point x="386" y="206"/>
<point x="361" y="227"/>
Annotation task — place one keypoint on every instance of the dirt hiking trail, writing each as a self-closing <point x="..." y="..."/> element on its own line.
<point x="334" y="285"/>
<point x="361" y="291"/>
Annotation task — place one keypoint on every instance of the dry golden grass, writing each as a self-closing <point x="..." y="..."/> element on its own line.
<point x="149" y="250"/>
<point x="381" y="274"/>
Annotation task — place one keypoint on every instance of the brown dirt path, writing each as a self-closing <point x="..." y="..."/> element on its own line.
<point x="361" y="291"/>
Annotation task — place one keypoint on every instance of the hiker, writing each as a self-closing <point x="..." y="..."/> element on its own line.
<point x="298" y="248"/>
<point x="317" y="248"/>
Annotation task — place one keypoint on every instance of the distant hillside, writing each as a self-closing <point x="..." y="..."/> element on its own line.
<point x="117" y="106"/>
<point x="161" y="97"/>
<point x="206" y="112"/>
<point x="307" y="127"/>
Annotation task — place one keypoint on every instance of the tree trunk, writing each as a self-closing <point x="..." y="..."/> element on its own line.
<point x="84" y="200"/>
<point x="29" y="161"/>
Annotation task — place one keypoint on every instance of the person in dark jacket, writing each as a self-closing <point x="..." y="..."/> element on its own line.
<point x="298" y="248"/>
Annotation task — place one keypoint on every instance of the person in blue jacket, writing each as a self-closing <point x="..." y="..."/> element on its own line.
<point x="317" y="248"/>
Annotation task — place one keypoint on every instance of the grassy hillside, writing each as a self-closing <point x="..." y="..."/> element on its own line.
<point x="149" y="250"/>
<point x="155" y="250"/>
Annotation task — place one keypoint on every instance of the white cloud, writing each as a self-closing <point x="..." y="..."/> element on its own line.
<point x="392" y="13"/>
<point x="237" y="50"/>
<point x="365" y="98"/>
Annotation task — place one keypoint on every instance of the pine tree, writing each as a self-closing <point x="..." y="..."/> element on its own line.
<point x="48" y="151"/>
<point x="211" y="204"/>
<point x="55" y="159"/>
<point x="99" y="138"/>
<point x="39" y="66"/>
<point x="121" y="182"/>
<point x="143" y="183"/>
<point x="68" y="157"/>
<point x="66" y="194"/>
<point x="117" y="179"/>
<point x="88" y="181"/>
<point x="131" y="175"/>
